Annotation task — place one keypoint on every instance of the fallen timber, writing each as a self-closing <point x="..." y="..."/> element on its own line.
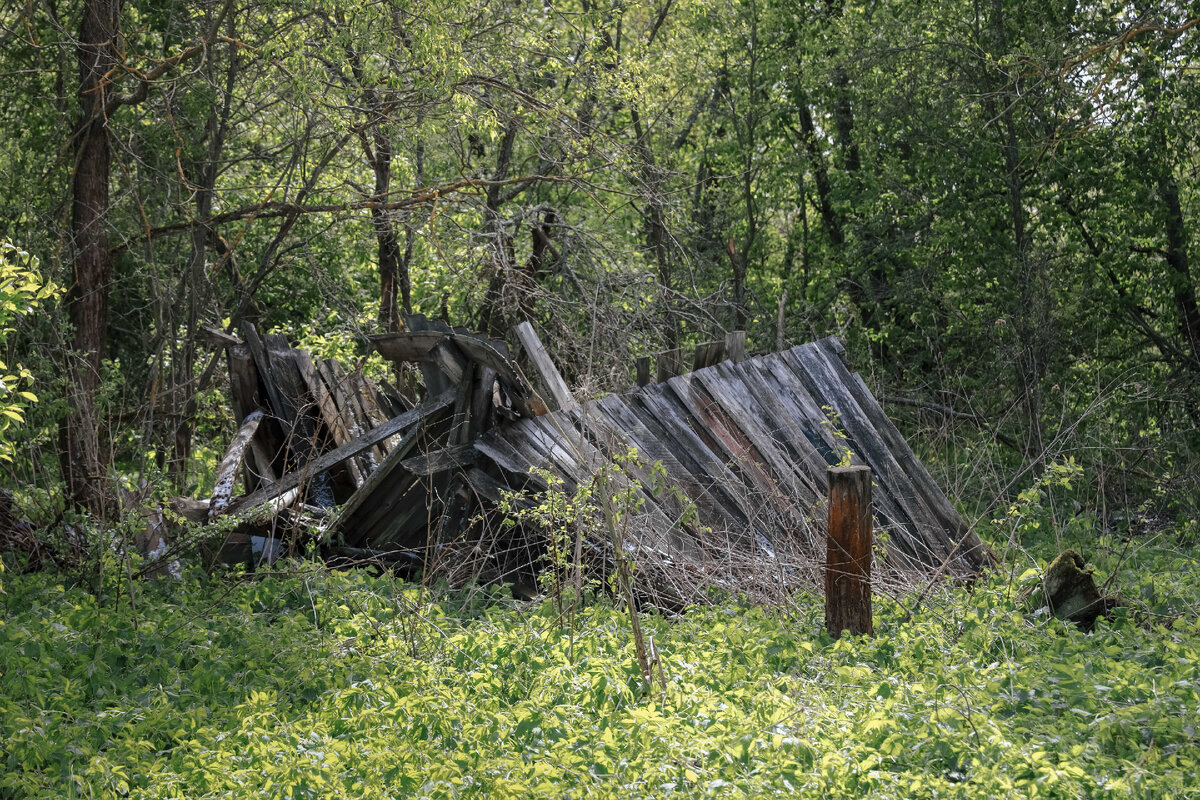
<point x="725" y="464"/>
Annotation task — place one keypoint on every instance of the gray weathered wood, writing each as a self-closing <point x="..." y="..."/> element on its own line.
<point x="560" y="396"/>
<point x="642" y="365"/>
<point x="322" y="463"/>
<point x="708" y="353"/>
<point x="670" y="364"/>
<point x="227" y="471"/>
<point x="454" y="457"/>
<point x="735" y="346"/>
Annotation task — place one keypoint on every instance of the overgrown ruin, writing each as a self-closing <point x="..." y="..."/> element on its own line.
<point x="722" y="469"/>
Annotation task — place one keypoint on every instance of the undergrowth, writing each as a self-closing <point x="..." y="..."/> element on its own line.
<point x="307" y="683"/>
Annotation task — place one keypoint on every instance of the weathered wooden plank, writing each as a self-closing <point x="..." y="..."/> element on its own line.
<point x="403" y="526"/>
<point x="669" y="422"/>
<point x="328" y="412"/>
<point x="447" y="458"/>
<point x="494" y="446"/>
<point x="899" y="504"/>
<point x="662" y="514"/>
<point x="407" y="345"/>
<point x="726" y="384"/>
<point x="642" y="367"/>
<point x="616" y="412"/>
<point x="821" y="432"/>
<point x="558" y="394"/>
<point x="970" y="547"/>
<point x="349" y="414"/>
<point x="481" y="402"/>
<point x="493" y="489"/>
<point x="735" y="346"/>
<point x="620" y="448"/>
<point x="418" y="417"/>
<point x="708" y="353"/>
<point x="227" y="471"/>
<point x="281" y="406"/>
<point x="778" y="423"/>
<point x="723" y="436"/>
<point x="303" y="438"/>
<point x="461" y="424"/>
<point x="670" y="364"/>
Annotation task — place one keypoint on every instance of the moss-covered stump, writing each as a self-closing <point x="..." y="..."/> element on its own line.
<point x="1069" y="591"/>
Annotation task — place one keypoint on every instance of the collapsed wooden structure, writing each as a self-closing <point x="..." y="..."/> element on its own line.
<point x="727" y="462"/>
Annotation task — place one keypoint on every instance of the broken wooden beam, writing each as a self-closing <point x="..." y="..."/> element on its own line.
<point x="234" y="456"/>
<point x="560" y="396"/>
<point x="336" y="456"/>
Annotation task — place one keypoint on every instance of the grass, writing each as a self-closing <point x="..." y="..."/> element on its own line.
<point x="306" y="683"/>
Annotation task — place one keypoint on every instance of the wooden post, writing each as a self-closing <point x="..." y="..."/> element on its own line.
<point x="670" y="364"/>
<point x="848" y="553"/>
<point x="735" y="346"/>
<point x="643" y="370"/>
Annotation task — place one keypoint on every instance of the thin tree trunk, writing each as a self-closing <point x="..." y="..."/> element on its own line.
<point x="83" y="466"/>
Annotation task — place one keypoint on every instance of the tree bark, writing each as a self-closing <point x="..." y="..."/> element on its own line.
<point x="80" y="460"/>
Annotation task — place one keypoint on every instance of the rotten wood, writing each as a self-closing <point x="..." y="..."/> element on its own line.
<point x="848" y="553"/>
<point x="322" y="463"/>
<point x="227" y="471"/>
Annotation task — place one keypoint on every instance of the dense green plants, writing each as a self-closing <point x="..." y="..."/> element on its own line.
<point x="23" y="288"/>
<point x="305" y="683"/>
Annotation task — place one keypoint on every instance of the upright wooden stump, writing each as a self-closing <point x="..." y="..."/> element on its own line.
<point x="848" y="552"/>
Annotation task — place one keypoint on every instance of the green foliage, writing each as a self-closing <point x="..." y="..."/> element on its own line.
<point x="313" y="684"/>
<point x="23" y="288"/>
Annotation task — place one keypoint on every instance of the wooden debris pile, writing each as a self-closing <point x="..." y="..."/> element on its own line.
<point x="728" y="460"/>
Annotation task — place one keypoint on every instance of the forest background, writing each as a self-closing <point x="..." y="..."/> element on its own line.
<point x="993" y="203"/>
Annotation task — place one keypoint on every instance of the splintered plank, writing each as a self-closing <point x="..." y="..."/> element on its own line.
<point x="419" y="417"/>
<point x="227" y="471"/>
<point x="327" y="411"/>
<point x="349" y="414"/>
<point x="287" y="375"/>
<point x="559" y="395"/>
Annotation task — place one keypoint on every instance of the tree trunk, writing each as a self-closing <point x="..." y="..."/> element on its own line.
<point x="83" y="466"/>
<point x="1182" y="286"/>
<point x="385" y="233"/>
